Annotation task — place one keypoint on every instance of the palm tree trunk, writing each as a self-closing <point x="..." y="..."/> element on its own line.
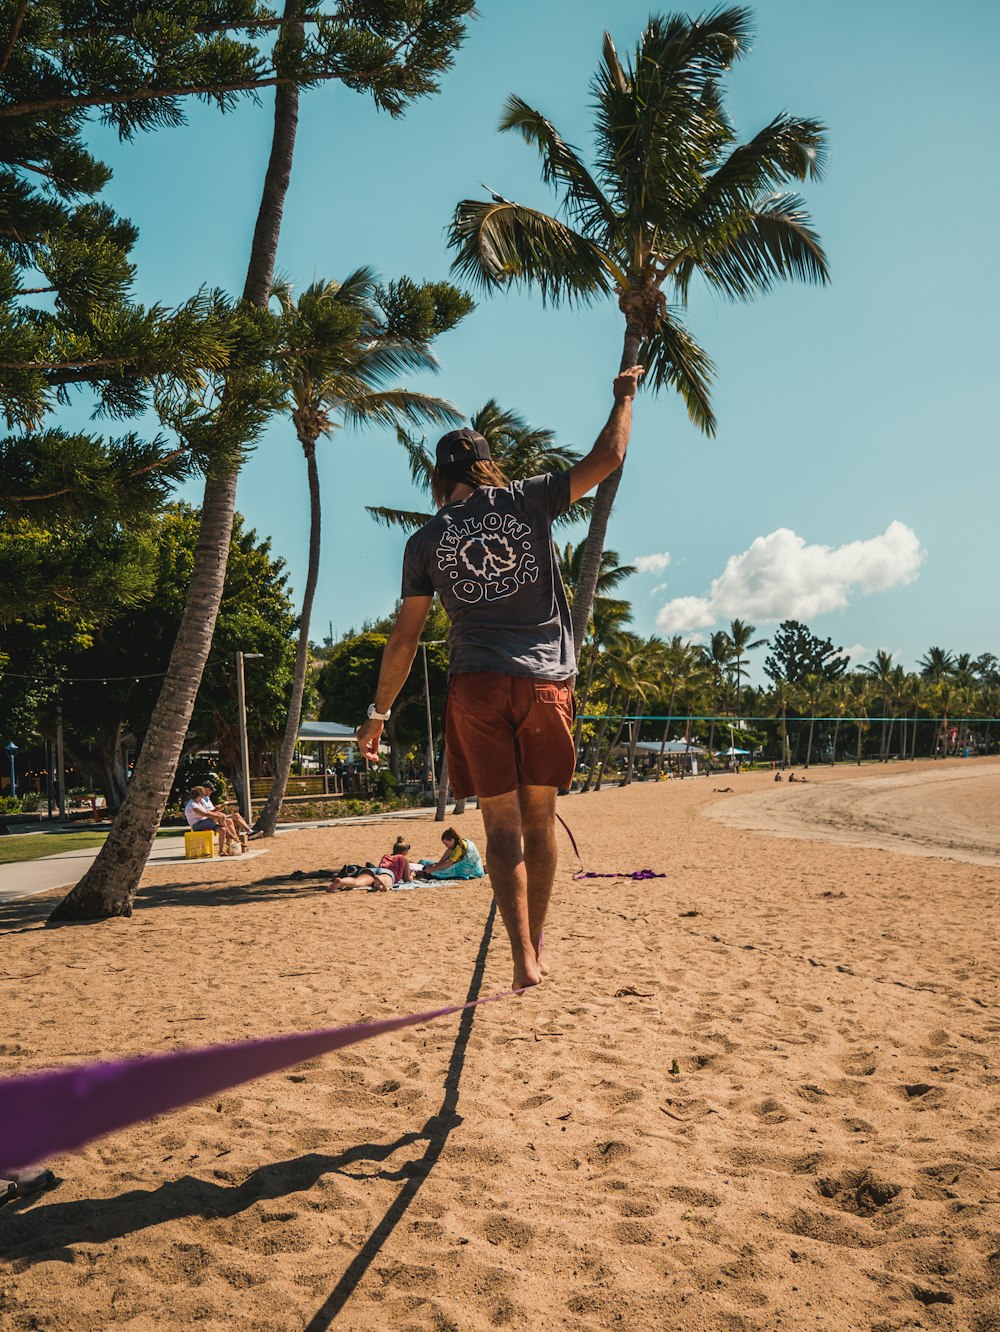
<point x="442" y="802"/>
<point x="809" y="745"/>
<point x="598" y="742"/>
<point x="581" y="703"/>
<point x="108" y="888"/>
<point x="607" y="752"/>
<point x="836" y="730"/>
<point x="590" y="561"/>
<point x="859" y="744"/>
<point x="268" y="819"/>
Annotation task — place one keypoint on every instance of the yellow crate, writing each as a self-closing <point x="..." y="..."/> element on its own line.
<point x="199" y="845"/>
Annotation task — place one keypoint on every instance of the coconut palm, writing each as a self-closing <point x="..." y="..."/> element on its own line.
<point x="936" y="664"/>
<point x="861" y="692"/>
<point x="673" y="194"/>
<point x="839" y="702"/>
<point x="342" y="359"/>
<point x="716" y="657"/>
<point x="814" y="694"/>
<point x="741" y="635"/>
<point x="880" y="669"/>
<point x="607" y="627"/>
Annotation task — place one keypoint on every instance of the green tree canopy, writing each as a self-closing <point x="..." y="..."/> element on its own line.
<point x="797" y="652"/>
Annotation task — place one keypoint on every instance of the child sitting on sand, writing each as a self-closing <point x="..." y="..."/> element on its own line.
<point x="461" y="859"/>
<point x="391" y="871"/>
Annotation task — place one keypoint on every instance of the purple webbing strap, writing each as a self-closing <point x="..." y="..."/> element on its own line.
<point x="43" y="1115"/>
<point x="620" y="874"/>
<point x="572" y="839"/>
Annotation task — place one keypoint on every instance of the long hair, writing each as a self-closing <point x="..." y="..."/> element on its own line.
<point x="475" y="472"/>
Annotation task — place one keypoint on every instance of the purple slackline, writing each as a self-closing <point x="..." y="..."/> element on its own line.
<point x="620" y="874"/>
<point x="43" y="1115"/>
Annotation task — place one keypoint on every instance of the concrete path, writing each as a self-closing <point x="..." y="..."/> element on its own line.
<point x="25" y="878"/>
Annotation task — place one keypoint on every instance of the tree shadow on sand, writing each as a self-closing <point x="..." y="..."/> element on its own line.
<point x="47" y="1231"/>
<point x="30" y="912"/>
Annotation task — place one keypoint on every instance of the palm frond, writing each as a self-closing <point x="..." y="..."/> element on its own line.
<point x="385" y="358"/>
<point x="407" y="519"/>
<point x="658" y="120"/>
<point x="773" y="242"/>
<point x="672" y="356"/>
<point x="785" y="148"/>
<point x="420" y="460"/>
<point x="561" y="166"/>
<point x="504" y="243"/>
<point x="394" y="405"/>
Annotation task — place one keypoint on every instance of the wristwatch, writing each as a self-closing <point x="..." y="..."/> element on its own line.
<point x="375" y="715"/>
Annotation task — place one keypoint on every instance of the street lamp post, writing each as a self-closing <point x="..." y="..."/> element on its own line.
<point x="11" y="751"/>
<point x="241" y="705"/>
<point x="435" y="642"/>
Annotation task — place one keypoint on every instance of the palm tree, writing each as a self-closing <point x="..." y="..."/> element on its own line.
<point x="839" y="703"/>
<point x="860" y="688"/>
<point x="610" y="575"/>
<point x="879" y="669"/>
<point x="814" y="695"/>
<point x="673" y="195"/>
<point x="645" y="677"/>
<point x="936" y="665"/>
<point x="341" y="363"/>
<point x="716" y="657"/>
<point x="741" y="635"/>
<point x="677" y="660"/>
<point x="607" y="627"/>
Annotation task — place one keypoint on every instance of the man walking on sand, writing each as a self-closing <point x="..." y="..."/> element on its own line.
<point x="488" y="554"/>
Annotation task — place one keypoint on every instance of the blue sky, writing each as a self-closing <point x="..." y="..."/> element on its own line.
<point x="853" y="477"/>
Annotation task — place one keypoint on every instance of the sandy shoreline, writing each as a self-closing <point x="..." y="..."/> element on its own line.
<point x="825" y="1157"/>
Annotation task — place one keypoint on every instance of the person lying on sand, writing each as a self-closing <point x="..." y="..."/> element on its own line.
<point x="722" y="790"/>
<point x="393" y="869"/>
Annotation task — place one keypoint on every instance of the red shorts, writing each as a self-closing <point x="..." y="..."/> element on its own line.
<point x="505" y="731"/>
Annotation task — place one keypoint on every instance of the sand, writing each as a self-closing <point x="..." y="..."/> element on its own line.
<point x="757" y="1094"/>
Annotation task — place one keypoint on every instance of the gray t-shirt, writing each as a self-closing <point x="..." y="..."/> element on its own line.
<point x="491" y="560"/>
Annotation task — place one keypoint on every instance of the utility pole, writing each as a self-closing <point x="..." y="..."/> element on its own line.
<point x="60" y="761"/>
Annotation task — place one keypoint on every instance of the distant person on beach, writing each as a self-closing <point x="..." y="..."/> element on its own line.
<point x="488" y="554"/>
<point x="392" y="870"/>
<point x="202" y="816"/>
<point x="461" y="859"/>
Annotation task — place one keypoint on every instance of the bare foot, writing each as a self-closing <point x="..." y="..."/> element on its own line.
<point x="543" y="965"/>
<point x="334" y="886"/>
<point x="526" y="976"/>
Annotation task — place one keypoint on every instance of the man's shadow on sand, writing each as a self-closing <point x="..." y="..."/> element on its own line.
<point x="46" y="1231"/>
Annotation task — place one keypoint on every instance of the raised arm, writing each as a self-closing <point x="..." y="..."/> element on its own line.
<point x="609" y="450"/>
<point x="397" y="658"/>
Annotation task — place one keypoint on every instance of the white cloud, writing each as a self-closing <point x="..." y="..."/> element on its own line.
<point x="779" y="577"/>
<point x="660" y="587"/>
<point x="651" y="563"/>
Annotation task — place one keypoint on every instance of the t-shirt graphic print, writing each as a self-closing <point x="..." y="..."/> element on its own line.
<point x="487" y="557"/>
<point x="491" y="560"/>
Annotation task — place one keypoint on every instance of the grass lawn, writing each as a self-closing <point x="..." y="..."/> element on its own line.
<point x="32" y="846"/>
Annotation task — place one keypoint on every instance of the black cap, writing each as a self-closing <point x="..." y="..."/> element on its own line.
<point x="460" y="446"/>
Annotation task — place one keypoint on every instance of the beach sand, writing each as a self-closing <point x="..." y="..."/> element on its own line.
<point x="760" y="1093"/>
